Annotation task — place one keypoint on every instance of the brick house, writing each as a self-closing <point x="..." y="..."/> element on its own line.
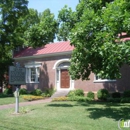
<point x="48" y="67"/>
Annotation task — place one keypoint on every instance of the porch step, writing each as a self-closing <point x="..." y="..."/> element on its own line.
<point x="60" y="93"/>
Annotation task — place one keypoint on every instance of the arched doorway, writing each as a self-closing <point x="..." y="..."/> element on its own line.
<point x="63" y="80"/>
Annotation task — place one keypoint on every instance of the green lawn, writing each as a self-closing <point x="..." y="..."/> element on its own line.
<point x="9" y="100"/>
<point x="65" y="116"/>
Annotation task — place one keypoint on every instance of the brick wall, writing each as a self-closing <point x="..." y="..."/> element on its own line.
<point x="47" y="77"/>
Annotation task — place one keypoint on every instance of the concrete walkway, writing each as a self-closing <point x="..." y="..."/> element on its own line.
<point x="25" y="103"/>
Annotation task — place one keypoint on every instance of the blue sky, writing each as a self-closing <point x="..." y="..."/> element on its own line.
<point x="53" y="5"/>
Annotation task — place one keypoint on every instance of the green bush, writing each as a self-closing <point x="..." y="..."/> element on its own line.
<point x="60" y="99"/>
<point x="77" y="92"/>
<point x="2" y="95"/>
<point x="45" y="95"/>
<point x="71" y="94"/>
<point x="102" y="94"/>
<point x="116" y="95"/>
<point x="36" y="92"/>
<point x="49" y="92"/>
<point x="90" y="95"/>
<point x="22" y="91"/>
<point x="73" y="98"/>
<point x="125" y="100"/>
<point x="8" y="91"/>
<point x="79" y="98"/>
<point x="126" y="94"/>
<point x="117" y="100"/>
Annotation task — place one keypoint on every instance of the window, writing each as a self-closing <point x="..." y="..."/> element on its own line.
<point x="64" y="64"/>
<point x="98" y="79"/>
<point x="57" y="73"/>
<point x="32" y="72"/>
<point x="32" y="75"/>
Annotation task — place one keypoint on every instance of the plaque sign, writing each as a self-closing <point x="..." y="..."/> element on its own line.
<point x="17" y="75"/>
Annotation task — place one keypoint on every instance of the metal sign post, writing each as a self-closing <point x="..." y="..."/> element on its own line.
<point x="17" y="78"/>
<point x="17" y="99"/>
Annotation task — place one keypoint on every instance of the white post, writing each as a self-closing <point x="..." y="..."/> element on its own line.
<point x="17" y="99"/>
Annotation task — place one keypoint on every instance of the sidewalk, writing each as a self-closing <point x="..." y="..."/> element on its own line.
<point x="25" y="103"/>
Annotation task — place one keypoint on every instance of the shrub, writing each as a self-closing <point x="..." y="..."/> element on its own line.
<point x="8" y="91"/>
<point x="60" y="99"/>
<point x="77" y="92"/>
<point x="71" y="94"/>
<point x="37" y="92"/>
<point x="117" y="100"/>
<point x="49" y="92"/>
<point x="73" y="98"/>
<point x="31" y="97"/>
<point x="22" y="91"/>
<point x="125" y="100"/>
<point x="79" y="98"/>
<point x="90" y="95"/>
<point x="116" y="95"/>
<point x="2" y="95"/>
<point x="102" y="94"/>
<point x="126" y="94"/>
<point x="45" y="95"/>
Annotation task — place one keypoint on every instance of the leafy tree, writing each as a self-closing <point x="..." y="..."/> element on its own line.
<point x="22" y="26"/>
<point x="97" y="37"/>
<point x="66" y="19"/>
<point x="10" y="31"/>
<point x="43" y="31"/>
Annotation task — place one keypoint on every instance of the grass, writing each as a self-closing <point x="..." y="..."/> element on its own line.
<point x="66" y="116"/>
<point x="9" y="100"/>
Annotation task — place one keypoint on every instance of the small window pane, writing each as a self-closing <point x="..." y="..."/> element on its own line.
<point x="38" y="73"/>
<point x="33" y="74"/>
<point x="57" y="73"/>
<point x="97" y="78"/>
<point x="64" y="64"/>
<point x="38" y="70"/>
<point x="27" y="75"/>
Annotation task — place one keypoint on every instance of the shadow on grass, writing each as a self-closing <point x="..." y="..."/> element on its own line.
<point x="115" y="111"/>
<point x="98" y="110"/>
<point x="60" y="105"/>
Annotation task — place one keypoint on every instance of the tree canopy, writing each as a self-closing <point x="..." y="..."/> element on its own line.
<point x="66" y="20"/>
<point x="10" y="31"/>
<point x="22" y="26"/>
<point x="96" y="29"/>
<point x="97" y="37"/>
<point x="43" y="31"/>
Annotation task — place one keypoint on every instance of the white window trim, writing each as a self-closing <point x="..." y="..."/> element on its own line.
<point x="60" y="61"/>
<point x="33" y="64"/>
<point x="103" y="80"/>
<point x="28" y="71"/>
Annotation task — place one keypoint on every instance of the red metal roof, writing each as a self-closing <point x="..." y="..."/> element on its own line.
<point x="47" y="49"/>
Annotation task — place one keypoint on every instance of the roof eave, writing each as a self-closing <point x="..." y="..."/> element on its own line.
<point x="43" y="55"/>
